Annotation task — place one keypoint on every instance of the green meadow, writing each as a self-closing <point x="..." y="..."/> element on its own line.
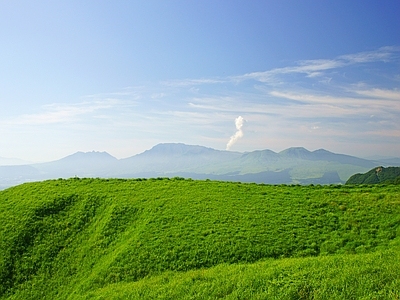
<point x="187" y="239"/>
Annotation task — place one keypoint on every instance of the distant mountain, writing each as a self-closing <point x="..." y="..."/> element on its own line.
<point x="172" y="158"/>
<point x="94" y="156"/>
<point x="324" y="155"/>
<point x="79" y="164"/>
<point x="377" y="175"/>
<point x="296" y="153"/>
<point x="304" y="166"/>
<point x="294" y="165"/>
<point x="178" y="149"/>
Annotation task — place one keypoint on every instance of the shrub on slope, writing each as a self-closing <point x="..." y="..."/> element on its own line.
<point x="63" y="238"/>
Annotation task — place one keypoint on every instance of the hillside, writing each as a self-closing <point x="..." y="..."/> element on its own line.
<point x="377" y="175"/>
<point x="170" y="238"/>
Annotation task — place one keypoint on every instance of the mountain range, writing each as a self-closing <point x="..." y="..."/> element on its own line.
<point x="295" y="165"/>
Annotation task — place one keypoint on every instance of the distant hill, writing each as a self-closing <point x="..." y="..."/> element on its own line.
<point x="294" y="165"/>
<point x="83" y="164"/>
<point x="377" y="175"/>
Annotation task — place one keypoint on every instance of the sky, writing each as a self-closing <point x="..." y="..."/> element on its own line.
<point x="123" y="76"/>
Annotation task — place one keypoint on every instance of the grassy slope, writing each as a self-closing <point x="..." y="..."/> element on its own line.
<point x="71" y="238"/>
<point x="363" y="276"/>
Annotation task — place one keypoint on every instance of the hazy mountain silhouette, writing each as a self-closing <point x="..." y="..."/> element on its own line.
<point x="296" y="153"/>
<point x="293" y="165"/>
<point x="172" y="158"/>
<point x="83" y="164"/>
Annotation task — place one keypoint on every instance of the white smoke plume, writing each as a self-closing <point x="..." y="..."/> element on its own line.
<point x="239" y="133"/>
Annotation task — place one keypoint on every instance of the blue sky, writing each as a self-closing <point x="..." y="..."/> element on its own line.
<point x="122" y="76"/>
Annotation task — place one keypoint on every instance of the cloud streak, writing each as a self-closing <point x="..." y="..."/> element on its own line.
<point x="315" y="68"/>
<point x="58" y="113"/>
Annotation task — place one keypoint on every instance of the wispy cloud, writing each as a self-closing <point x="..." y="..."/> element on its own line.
<point x="311" y="68"/>
<point x="191" y="82"/>
<point x="315" y="68"/>
<point x="386" y="98"/>
<point x="382" y="94"/>
<point x="312" y="103"/>
<point x="63" y="113"/>
<point x="384" y="54"/>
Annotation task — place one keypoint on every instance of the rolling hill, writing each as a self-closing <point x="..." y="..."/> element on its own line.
<point x="186" y="239"/>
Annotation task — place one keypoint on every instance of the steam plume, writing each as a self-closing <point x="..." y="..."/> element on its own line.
<point x="239" y="133"/>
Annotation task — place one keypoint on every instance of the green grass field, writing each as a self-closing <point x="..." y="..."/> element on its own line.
<point x="176" y="238"/>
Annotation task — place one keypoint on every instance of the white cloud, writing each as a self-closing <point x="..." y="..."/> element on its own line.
<point x="377" y="102"/>
<point x="382" y="94"/>
<point x="62" y="113"/>
<point x="191" y="82"/>
<point x="315" y="68"/>
<point x="382" y="54"/>
<point x="311" y="68"/>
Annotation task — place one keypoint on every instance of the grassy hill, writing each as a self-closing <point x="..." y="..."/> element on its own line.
<point x="377" y="175"/>
<point x="175" y="238"/>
